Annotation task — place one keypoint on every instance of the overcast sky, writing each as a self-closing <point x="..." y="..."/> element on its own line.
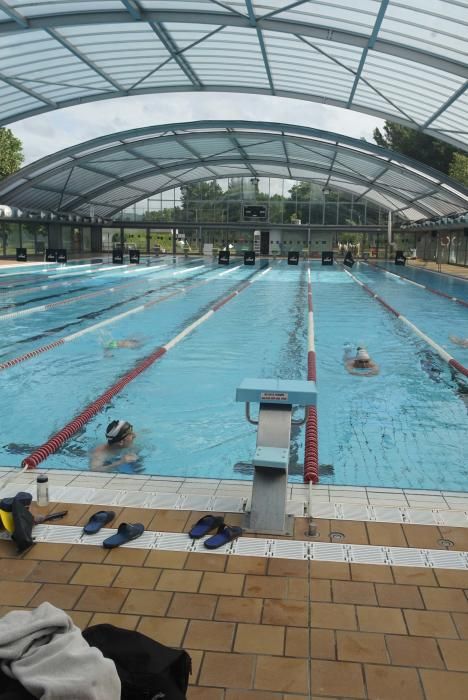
<point x="52" y="131"/>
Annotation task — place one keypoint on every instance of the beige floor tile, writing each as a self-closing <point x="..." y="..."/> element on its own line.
<point x="333" y="616"/>
<point x="422" y="623"/>
<point x="162" y="559"/>
<point x="181" y="581"/>
<point x="222" y="584"/>
<point x="455" y="653"/>
<point x="320" y="590"/>
<point x="259" y="639"/>
<point x="337" y="678"/>
<point x="297" y="642"/>
<point x="101" y="599"/>
<point x="386" y="534"/>
<point x="451" y="599"/>
<point x="384" y="620"/>
<point x="450" y="578"/>
<point x="246" y="565"/>
<point x="125" y="556"/>
<point x="282" y="674"/>
<point x="210" y="635"/>
<point x="330" y="570"/>
<point x="192" y="605"/>
<point x="200" y="693"/>
<point x="19" y="570"/>
<point x="358" y="592"/>
<point x="322" y="644"/>
<point x="371" y="572"/>
<point x="390" y="682"/>
<point x="414" y="651"/>
<point x="227" y="670"/>
<point x="266" y="586"/>
<point x="285" y="612"/>
<point x="17" y="592"/>
<point x="146" y="602"/>
<point x="362" y="647"/>
<point x="47" y="551"/>
<point x="413" y="575"/>
<point x="288" y="567"/>
<point x="137" y="577"/>
<point x="398" y="596"/>
<point x="128" y="622"/>
<point x="51" y="571"/>
<point x="206" y="562"/>
<point x="59" y="594"/>
<point x="85" y="553"/>
<point x="461" y="622"/>
<point x="95" y="574"/>
<point x="163" y="629"/>
<point x="444" y="684"/>
<point x="237" y="609"/>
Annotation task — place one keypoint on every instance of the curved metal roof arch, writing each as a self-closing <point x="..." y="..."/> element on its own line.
<point x="401" y="61"/>
<point x="112" y="172"/>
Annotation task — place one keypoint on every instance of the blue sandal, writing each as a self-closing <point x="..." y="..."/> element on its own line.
<point x="97" y="521"/>
<point x="205" y="525"/>
<point x="225" y="534"/>
<point x="125" y="533"/>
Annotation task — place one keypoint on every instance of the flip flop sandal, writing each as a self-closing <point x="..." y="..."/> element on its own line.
<point x="125" y="533"/>
<point x="225" y="534"/>
<point x="97" y="521"/>
<point x="205" y="525"/>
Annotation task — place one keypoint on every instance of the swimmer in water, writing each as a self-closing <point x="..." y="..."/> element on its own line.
<point x="459" y="341"/>
<point x="114" y="454"/>
<point x="361" y="364"/>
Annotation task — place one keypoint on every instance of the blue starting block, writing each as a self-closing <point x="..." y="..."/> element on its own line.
<point x="276" y="398"/>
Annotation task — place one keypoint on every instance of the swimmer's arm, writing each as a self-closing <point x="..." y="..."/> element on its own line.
<point x="98" y="459"/>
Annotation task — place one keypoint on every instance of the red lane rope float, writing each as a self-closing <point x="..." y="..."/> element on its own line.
<point x="311" y="461"/>
<point x="419" y="284"/>
<point x="449" y="359"/>
<point x="57" y="440"/>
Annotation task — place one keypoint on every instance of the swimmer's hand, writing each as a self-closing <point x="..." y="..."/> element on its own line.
<point x="128" y="459"/>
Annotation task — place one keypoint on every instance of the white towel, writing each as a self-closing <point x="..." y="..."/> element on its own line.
<point x="46" y="653"/>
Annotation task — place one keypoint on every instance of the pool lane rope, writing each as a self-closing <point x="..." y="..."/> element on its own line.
<point x="418" y="284"/>
<point x="449" y="359"/>
<point x="73" y="336"/>
<point x="64" y="302"/>
<point x="311" y="463"/>
<point x="57" y="440"/>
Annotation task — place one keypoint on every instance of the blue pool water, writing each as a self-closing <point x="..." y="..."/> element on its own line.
<point x="405" y="427"/>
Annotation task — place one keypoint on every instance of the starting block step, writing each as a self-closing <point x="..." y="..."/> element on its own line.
<point x="272" y="457"/>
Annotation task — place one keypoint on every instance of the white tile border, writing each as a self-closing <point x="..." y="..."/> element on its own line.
<point x="259" y="547"/>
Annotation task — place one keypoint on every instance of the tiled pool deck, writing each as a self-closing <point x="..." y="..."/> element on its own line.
<point x="271" y="626"/>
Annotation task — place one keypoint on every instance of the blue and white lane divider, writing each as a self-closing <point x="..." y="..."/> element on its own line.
<point x="443" y="354"/>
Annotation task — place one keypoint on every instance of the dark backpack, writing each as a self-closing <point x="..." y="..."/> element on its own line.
<point x="147" y="669"/>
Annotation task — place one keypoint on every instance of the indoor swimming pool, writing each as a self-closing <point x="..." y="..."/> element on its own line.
<point x="59" y="350"/>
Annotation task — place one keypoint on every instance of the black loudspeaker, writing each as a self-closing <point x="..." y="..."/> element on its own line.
<point x="399" y="258"/>
<point x="134" y="256"/>
<point x="465" y="231"/>
<point x="434" y="234"/>
<point x="249" y="257"/>
<point x="348" y="259"/>
<point x="223" y="257"/>
<point x="293" y="258"/>
<point x="117" y="256"/>
<point x="21" y="254"/>
<point x="61" y="255"/>
<point x="327" y="257"/>
<point x="51" y="255"/>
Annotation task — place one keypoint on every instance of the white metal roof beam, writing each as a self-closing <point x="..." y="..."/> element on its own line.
<point x="69" y="46"/>
<point x="166" y="39"/>
<point x="370" y="45"/>
<point x="446" y="105"/>
<point x="15" y="16"/>
<point x="253" y="22"/>
<point x="133" y="9"/>
<point x="14" y="82"/>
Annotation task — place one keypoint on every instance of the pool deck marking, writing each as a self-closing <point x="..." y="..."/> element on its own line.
<point x="264" y="547"/>
<point x="407" y="506"/>
<point x="449" y="359"/>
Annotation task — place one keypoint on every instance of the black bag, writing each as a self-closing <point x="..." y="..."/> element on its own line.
<point x="146" y="668"/>
<point x="23" y="522"/>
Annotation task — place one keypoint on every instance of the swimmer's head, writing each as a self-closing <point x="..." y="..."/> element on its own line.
<point x="118" y="431"/>
<point x="362" y="354"/>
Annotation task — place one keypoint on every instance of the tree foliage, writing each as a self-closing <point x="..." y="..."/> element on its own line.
<point x="458" y="168"/>
<point x="11" y="152"/>
<point x="415" y="144"/>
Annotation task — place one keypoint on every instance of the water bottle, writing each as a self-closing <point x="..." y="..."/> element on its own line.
<point x="42" y="483"/>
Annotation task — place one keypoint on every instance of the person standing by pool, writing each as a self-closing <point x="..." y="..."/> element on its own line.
<point x="115" y="453"/>
<point x="361" y="364"/>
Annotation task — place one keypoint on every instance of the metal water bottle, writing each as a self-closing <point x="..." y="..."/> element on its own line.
<point x="42" y="483"/>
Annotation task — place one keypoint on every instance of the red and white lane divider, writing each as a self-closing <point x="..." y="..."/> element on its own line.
<point x="311" y="461"/>
<point x="57" y="440"/>
<point x="96" y="326"/>
<point x="418" y="284"/>
<point x="449" y="359"/>
<point x="64" y="302"/>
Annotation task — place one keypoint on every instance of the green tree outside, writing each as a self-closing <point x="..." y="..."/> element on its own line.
<point x="11" y="152"/>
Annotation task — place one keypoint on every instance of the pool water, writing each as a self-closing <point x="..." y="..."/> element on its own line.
<point x="405" y="427"/>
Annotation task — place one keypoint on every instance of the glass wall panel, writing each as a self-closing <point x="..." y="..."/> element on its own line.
<point x="34" y="238"/>
<point x="9" y="238"/>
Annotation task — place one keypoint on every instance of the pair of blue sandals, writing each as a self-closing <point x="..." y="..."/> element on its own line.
<point x="126" y="532"/>
<point x="224" y="533"/>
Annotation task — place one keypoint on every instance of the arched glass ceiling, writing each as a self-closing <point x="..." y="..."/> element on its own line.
<point x="112" y="172"/>
<point x="405" y="61"/>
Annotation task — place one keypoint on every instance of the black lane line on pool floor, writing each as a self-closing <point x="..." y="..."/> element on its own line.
<point x="96" y="314"/>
